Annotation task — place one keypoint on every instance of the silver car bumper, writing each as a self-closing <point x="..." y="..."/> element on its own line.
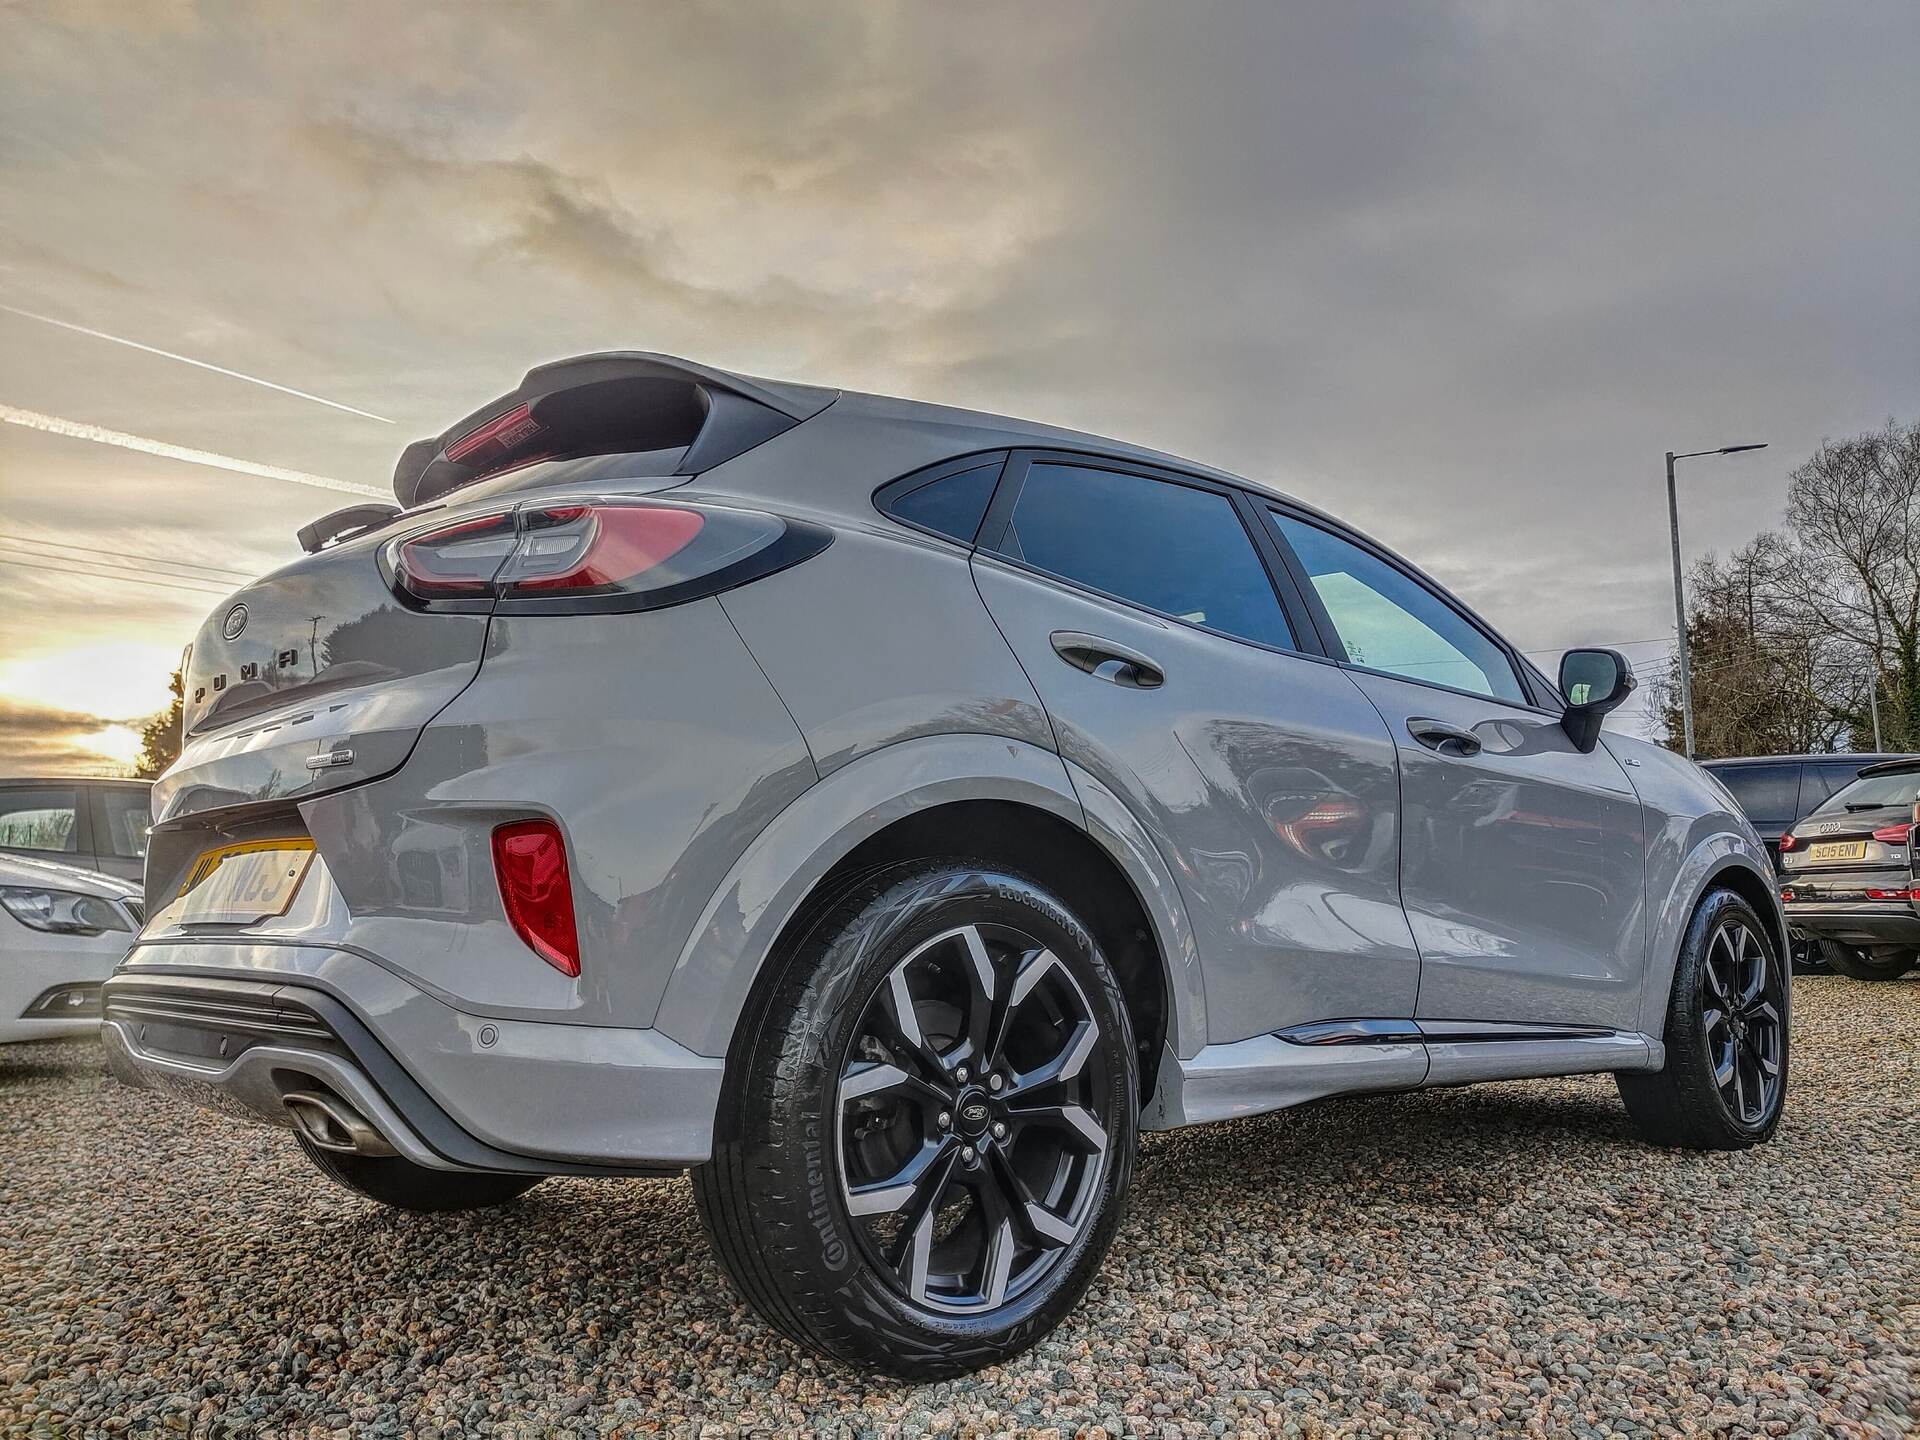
<point x="241" y="1028"/>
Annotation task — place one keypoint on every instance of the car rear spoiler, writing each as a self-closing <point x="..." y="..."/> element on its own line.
<point x="1891" y="767"/>
<point x="608" y="404"/>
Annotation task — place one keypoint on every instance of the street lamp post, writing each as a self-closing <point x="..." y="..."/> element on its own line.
<point x="1680" y="588"/>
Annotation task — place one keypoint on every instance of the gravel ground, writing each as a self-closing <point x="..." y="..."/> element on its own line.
<point x="1504" y="1257"/>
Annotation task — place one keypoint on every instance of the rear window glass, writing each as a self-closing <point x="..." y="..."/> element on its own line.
<point x="1878" y="792"/>
<point x="953" y="505"/>
<point x="1765" y="792"/>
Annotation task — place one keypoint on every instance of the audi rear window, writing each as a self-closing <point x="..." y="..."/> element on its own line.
<point x="1875" y="792"/>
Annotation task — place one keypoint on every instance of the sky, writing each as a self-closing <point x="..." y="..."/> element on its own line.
<point x="1458" y="273"/>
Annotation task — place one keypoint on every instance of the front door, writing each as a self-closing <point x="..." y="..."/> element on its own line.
<point x="1522" y="860"/>
<point x="1150" y="624"/>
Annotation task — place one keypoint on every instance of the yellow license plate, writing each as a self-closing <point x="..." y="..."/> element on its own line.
<point x="237" y="884"/>
<point x="1838" y="850"/>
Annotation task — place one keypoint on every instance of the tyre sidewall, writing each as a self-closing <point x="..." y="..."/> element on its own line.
<point x="844" y="960"/>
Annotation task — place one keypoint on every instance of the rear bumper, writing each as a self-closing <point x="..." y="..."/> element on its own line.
<point x="1869" y="922"/>
<point x="239" y="1027"/>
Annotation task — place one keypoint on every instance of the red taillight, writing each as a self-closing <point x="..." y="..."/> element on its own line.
<point x="456" y="561"/>
<point x="1893" y="894"/>
<point x="596" y="556"/>
<point x="531" y="860"/>
<point x="497" y="438"/>
<point x="581" y="547"/>
<point x="1895" y="834"/>
<point x="1787" y="842"/>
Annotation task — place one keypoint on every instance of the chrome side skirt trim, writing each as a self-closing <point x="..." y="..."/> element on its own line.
<point x="1369" y="1031"/>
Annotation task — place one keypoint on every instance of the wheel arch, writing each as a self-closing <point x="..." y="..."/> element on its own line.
<point x="1720" y="861"/>
<point x="933" y="795"/>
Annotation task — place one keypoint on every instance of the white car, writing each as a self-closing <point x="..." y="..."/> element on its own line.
<point x="62" y="930"/>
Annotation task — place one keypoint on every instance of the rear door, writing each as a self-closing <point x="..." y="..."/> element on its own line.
<point x="1522" y="864"/>
<point x="1146" y="614"/>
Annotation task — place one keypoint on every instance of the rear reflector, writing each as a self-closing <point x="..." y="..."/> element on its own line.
<point x="1893" y="894"/>
<point x="530" y="859"/>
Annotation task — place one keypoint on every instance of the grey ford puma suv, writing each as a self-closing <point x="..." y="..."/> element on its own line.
<point x="885" y="812"/>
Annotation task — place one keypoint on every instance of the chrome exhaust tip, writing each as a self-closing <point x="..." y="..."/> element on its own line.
<point x="329" y="1123"/>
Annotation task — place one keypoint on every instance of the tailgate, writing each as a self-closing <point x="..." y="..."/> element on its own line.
<point x="314" y="678"/>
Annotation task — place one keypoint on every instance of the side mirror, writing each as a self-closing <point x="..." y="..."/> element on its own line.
<point x="1592" y="682"/>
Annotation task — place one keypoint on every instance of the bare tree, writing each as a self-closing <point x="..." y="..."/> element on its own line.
<point x="1796" y="637"/>
<point x="1850" y="565"/>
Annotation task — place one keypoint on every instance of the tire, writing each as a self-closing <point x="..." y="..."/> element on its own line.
<point x="1725" y="1080"/>
<point x="843" y="1209"/>
<point x="1859" y="965"/>
<point x="407" y="1186"/>
<point x="1807" y="958"/>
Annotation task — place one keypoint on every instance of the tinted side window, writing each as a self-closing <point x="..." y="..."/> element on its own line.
<point x="1172" y="548"/>
<point x="1765" y="792"/>
<point x="953" y="505"/>
<point x="39" y="819"/>
<point x="1387" y="621"/>
<point x="120" y="822"/>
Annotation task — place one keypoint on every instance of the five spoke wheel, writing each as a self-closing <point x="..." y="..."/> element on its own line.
<point x="1741" y="1016"/>
<point x="970" y="1143"/>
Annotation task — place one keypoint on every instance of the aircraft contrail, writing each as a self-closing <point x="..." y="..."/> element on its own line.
<point x="189" y="360"/>
<point x="74" y="429"/>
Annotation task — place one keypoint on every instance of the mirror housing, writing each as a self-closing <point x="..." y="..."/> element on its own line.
<point x="1592" y="682"/>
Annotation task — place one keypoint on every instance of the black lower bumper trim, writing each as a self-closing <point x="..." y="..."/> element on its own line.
<point x="197" y="1019"/>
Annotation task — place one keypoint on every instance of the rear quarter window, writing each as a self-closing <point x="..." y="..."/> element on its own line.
<point x="952" y="505"/>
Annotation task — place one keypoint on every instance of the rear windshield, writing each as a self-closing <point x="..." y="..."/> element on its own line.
<point x="1875" y="792"/>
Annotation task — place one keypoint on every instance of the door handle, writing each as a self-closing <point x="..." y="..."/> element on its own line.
<point x="1107" y="660"/>
<point x="1447" y="739"/>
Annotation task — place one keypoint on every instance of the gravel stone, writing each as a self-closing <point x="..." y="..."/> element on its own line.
<point x="1505" y="1257"/>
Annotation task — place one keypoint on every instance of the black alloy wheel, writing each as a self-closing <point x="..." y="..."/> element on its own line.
<point x="970" y="1152"/>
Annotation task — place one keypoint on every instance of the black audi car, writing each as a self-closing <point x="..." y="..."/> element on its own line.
<point x="1849" y="877"/>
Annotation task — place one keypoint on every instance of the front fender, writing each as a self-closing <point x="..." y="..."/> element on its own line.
<point x="1704" y="863"/>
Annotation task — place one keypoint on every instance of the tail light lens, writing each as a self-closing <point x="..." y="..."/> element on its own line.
<point x="1895" y="834"/>
<point x="1787" y="842"/>
<point x="597" y="556"/>
<point x="456" y="561"/>
<point x="1893" y="894"/>
<point x="530" y="859"/>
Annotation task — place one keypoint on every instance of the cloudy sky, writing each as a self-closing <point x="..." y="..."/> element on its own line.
<point x="1460" y="273"/>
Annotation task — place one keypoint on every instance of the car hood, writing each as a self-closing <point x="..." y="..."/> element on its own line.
<point x="18" y="870"/>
